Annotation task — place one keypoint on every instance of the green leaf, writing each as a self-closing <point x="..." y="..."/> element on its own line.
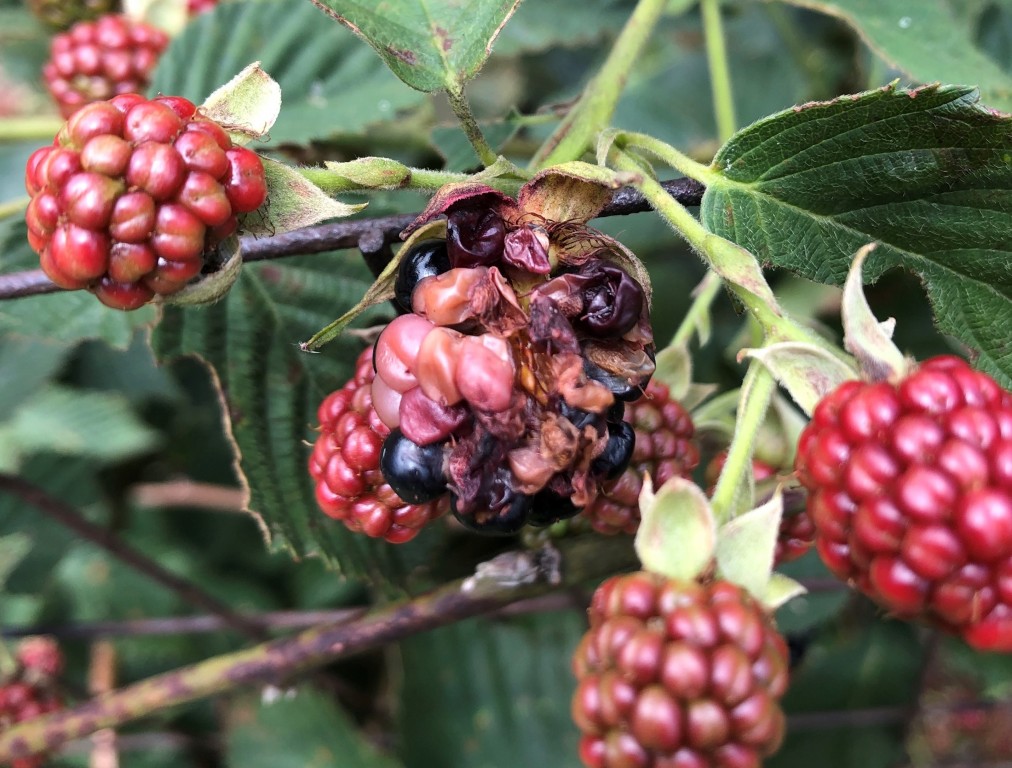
<point x="296" y="728"/>
<point x="271" y="389"/>
<point x="674" y="370"/>
<point x="452" y="143"/>
<point x="926" y="173"/>
<point x="926" y="39"/>
<point x="429" y="44"/>
<point x="538" y="27"/>
<point x="485" y="693"/>
<point x="330" y="83"/>
<point x="13" y="549"/>
<point x="677" y="533"/>
<point x="876" y="666"/>
<point x="65" y="317"/>
<point x="58" y="419"/>
<point x="26" y="365"/>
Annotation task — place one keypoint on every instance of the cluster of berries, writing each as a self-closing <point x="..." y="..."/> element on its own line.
<point x="96" y="60"/>
<point x="133" y="193"/>
<point x="663" y="448"/>
<point x="345" y="465"/>
<point x="674" y="674"/>
<point x="484" y="381"/>
<point x="30" y="691"/>
<point x="910" y="491"/>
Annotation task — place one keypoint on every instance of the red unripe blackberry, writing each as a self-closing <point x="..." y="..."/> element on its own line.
<point x="911" y="495"/>
<point x="797" y="532"/>
<point x="664" y="448"/>
<point x="674" y="674"/>
<point x="96" y="60"/>
<point x="30" y="690"/>
<point x="345" y="465"/>
<point x="133" y="193"/>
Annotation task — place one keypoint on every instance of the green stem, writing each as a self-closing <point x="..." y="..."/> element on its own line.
<point x="462" y="109"/>
<point x="13" y="207"/>
<point x="334" y="183"/>
<point x="583" y="559"/>
<point x="667" y="154"/>
<point x="756" y="391"/>
<point x="720" y="75"/>
<point x="705" y="294"/>
<point x="30" y="128"/>
<point x="596" y="105"/>
<point x="738" y="268"/>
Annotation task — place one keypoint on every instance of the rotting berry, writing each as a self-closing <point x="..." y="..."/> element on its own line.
<point x="678" y="674"/>
<point x="475" y="237"/>
<point x="96" y="60"/>
<point x="911" y="495"/>
<point x="663" y="447"/>
<point x="345" y="465"/>
<point x="484" y="381"/>
<point x="132" y="195"/>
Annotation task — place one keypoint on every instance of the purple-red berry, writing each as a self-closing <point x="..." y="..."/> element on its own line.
<point x="345" y="465"/>
<point x="911" y="497"/>
<point x="97" y="60"/>
<point x="133" y="193"/>
<point x="676" y="674"/>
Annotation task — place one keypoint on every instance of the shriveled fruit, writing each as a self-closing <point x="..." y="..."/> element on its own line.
<point x="910" y="491"/>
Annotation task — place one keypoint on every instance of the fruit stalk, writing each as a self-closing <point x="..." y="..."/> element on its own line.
<point x="596" y="105"/>
<point x="720" y="76"/>
<point x="582" y="559"/>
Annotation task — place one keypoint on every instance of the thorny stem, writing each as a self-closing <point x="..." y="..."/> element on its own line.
<point x="699" y="310"/>
<point x="756" y="391"/>
<point x="582" y="559"/>
<point x="421" y="179"/>
<point x="462" y="109"/>
<point x="594" y="109"/>
<point x="720" y="75"/>
<point x="334" y="236"/>
<point x="109" y="541"/>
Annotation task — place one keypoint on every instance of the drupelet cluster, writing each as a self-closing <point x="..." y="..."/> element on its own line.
<point x="910" y="491"/>
<point x="133" y="193"/>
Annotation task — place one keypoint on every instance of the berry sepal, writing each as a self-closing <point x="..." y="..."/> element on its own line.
<point x="867" y="339"/>
<point x="677" y="535"/>
<point x="382" y="290"/>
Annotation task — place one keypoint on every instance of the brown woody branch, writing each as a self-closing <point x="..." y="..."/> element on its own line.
<point x="69" y="517"/>
<point x="373" y="236"/>
<point x="534" y="573"/>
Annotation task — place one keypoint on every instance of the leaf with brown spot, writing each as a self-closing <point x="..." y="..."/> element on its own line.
<point x="431" y="45"/>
